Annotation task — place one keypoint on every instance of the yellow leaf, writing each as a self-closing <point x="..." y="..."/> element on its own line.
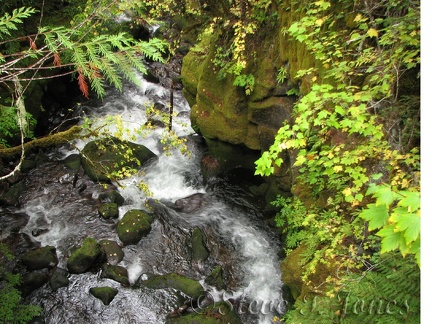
<point x="358" y="17"/>
<point x="319" y="22"/>
<point x="372" y="32"/>
<point x="347" y="192"/>
<point x="337" y="168"/>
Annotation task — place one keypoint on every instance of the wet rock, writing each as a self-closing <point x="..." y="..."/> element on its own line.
<point x="116" y="273"/>
<point x="134" y="225"/>
<point x="73" y="162"/>
<point x="89" y="255"/>
<point x="112" y="196"/>
<point x="189" y="287"/>
<point x="59" y="279"/>
<point x="11" y="223"/>
<point x="33" y="280"/>
<point x="12" y="196"/>
<point x="105" y="294"/>
<point x="215" y="278"/>
<point x="216" y="313"/>
<point x="108" y="211"/>
<point x="39" y="231"/>
<point x="27" y="165"/>
<point x="114" y="253"/>
<point x="40" y="258"/>
<point x="101" y="157"/>
<point x="192" y="203"/>
<point x="199" y="249"/>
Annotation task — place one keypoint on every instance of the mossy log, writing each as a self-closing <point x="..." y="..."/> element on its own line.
<point x="48" y="141"/>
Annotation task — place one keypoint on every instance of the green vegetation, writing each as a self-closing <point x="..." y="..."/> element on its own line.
<point x="12" y="308"/>
<point x="356" y="196"/>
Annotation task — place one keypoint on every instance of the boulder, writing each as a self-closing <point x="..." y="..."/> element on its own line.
<point x="72" y="162"/>
<point x="105" y="294"/>
<point x="12" y="196"/>
<point x="113" y="251"/>
<point x="189" y="287"/>
<point x="199" y="249"/>
<point x="215" y="313"/>
<point x="33" y="280"/>
<point x="215" y="278"/>
<point x="192" y="203"/>
<point x="89" y="255"/>
<point x="108" y="211"/>
<point x="112" y="196"/>
<point x="134" y="225"/>
<point x="116" y="273"/>
<point x="101" y="158"/>
<point x="40" y="258"/>
<point x="59" y="279"/>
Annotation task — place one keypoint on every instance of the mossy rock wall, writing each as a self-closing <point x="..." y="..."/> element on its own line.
<point x="220" y="110"/>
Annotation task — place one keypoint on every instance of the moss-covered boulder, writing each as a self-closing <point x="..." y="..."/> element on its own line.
<point x="114" y="253"/>
<point x="12" y="196"/>
<point x="108" y="156"/>
<point x="199" y="249"/>
<point x="105" y="294"/>
<point x="89" y="255"/>
<point x="215" y="278"/>
<point x="108" y="211"/>
<point x="189" y="287"/>
<point x="112" y="196"/>
<point x="40" y="258"/>
<point x="33" y="280"/>
<point x="134" y="225"/>
<point x="59" y="279"/>
<point x="72" y="162"/>
<point x="116" y="273"/>
<point x="214" y="314"/>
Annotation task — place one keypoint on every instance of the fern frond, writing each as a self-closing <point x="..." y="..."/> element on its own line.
<point x="8" y="22"/>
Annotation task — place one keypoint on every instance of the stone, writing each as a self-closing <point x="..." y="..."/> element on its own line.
<point x="215" y="313"/>
<point x="72" y="162"/>
<point x="105" y="294"/>
<point x="192" y="203"/>
<point x="33" y="280"/>
<point x="59" y="279"/>
<point x="108" y="211"/>
<point x="102" y="157"/>
<point x="114" y="253"/>
<point x="116" y="273"/>
<point x="40" y="258"/>
<point x="199" y="249"/>
<point x="12" y="196"/>
<point x="112" y="196"/>
<point x="134" y="225"/>
<point x="215" y="278"/>
<point x="89" y="255"/>
<point x="189" y="287"/>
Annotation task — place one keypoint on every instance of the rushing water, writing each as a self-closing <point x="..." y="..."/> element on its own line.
<point x="234" y="230"/>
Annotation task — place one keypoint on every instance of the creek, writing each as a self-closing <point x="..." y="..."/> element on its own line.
<point x="235" y="233"/>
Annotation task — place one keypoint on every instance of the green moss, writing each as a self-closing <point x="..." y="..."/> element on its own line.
<point x="189" y="287"/>
<point x="108" y="211"/>
<point x="199" y="250"/>
<point x="215" y="314"/>
<point x="133" y="226"/>
<point x="87" y="256"/>
<point x="105" y="294"/>
<point x="103" y="158"/>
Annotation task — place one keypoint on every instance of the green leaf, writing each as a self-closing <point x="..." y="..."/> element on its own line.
<point x="384" y="196"/>
<point x="411" y="200"/>
<point x="408" y="223"/>
<point x="391" y="239"/>
<point x="377" y="216"/>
